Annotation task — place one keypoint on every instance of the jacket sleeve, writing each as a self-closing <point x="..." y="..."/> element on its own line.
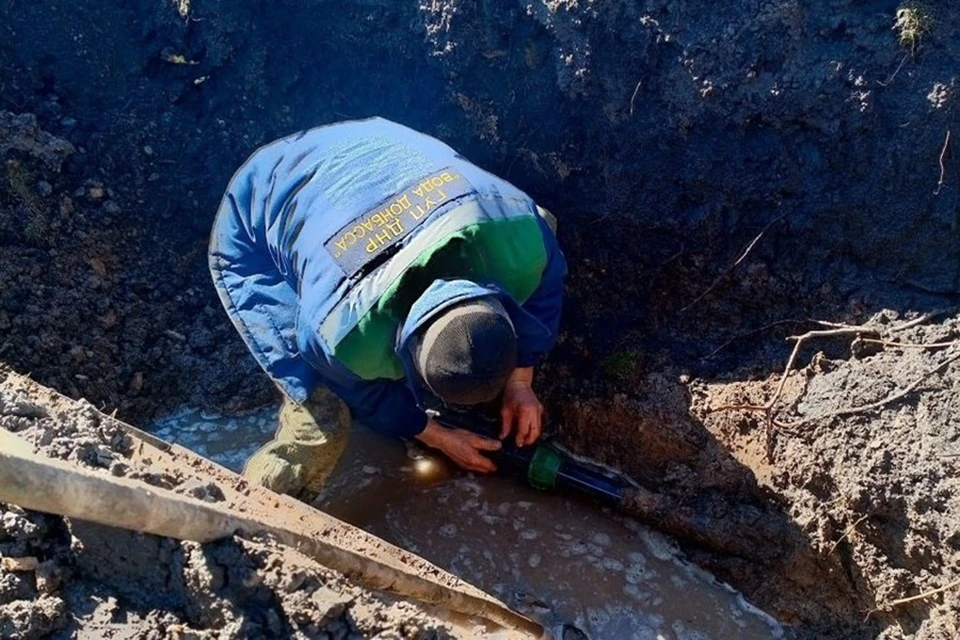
<point x="386" y="406"/>
<point x="261" y="304"/>
<point x="545" y="304"/>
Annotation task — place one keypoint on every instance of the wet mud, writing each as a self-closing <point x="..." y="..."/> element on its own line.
<point x="865" y="449"/>
<point x="561" y="561"/>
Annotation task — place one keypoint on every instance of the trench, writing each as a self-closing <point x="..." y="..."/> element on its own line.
<point x="717" y="171"/>
<point x="558" y="559"/>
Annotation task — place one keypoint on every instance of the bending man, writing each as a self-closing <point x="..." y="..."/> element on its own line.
<point x="371" y="261"/>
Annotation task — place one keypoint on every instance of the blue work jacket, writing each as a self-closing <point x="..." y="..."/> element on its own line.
<point x="293" y="287"/>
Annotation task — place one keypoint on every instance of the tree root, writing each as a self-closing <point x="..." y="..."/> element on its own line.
<point x="884" y="606"/>
<point x="847" y="533"/>
<point x="943" y="152"/>
<point x="911" y="345"/>
<point x="743" y="255"/>
<point x="874" y="405"/>
<point x="769" y="409"/>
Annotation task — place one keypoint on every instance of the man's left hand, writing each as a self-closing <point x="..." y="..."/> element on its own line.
<point x="521" y="408"/>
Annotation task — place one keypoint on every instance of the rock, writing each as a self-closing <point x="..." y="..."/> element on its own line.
<point x="104" y="456"/>
<point x="119" y="469"/>
<point x="16" y="525"/>
<point x="331" y="604"/>
<point x="28" y="563"/>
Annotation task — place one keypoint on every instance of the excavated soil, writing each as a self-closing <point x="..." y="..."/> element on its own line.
<point x="725" y="176"/>
<point x="871" y="474"/>
<point x="63" y="578"/>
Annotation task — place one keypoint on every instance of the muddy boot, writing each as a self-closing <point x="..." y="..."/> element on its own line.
<point x="309" y="441"/>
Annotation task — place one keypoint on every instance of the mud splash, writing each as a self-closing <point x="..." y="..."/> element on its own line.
<point x="554" y="558"/>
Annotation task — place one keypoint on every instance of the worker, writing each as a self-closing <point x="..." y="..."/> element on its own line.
<point x="370" y="268"/>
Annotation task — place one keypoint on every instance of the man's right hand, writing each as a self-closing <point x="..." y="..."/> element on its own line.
<point x="461" y="446"/>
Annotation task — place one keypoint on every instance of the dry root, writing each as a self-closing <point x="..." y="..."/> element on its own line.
<point x="770" y="409"/>
<point x="885" y="606"/>
<point x="846" y="533"/>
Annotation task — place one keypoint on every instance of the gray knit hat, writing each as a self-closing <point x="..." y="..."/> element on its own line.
<point x="467" y="353"/>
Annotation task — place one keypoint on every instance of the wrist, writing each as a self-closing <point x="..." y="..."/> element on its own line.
<point x="521" y="377"/>
<point x="432" y="434"/>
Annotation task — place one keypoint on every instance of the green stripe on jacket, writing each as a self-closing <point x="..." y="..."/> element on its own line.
<point x="507" y="252"/>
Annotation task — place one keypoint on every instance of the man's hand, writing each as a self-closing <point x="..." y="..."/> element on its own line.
<point x="463" y="447"/>
<point x="521" y="408"/>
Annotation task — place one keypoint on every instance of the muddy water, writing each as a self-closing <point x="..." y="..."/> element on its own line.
<point x="557" y="559"/>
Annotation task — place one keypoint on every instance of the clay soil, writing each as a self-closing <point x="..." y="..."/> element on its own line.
<point x="725" y="177"/>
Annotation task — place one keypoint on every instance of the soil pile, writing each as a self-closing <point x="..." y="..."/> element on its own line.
<point x="830" y="493"/>
<point x="61" y="577"/>
<point x="865" y="452"/>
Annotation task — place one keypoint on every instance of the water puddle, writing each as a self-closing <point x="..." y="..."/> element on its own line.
<point x="555" y="558"/>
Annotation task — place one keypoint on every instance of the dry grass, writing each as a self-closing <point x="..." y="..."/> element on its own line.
<point x="912" y="22"/>
<point x="36" y="223"/>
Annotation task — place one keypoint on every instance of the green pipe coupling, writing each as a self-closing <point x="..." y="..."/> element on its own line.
<point x="544" y="467"/>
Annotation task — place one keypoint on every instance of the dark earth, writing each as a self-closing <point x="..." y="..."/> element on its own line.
<point x="725" y="176"/>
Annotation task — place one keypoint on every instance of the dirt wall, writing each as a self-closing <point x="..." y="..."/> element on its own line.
<point x="667" y="135"/>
